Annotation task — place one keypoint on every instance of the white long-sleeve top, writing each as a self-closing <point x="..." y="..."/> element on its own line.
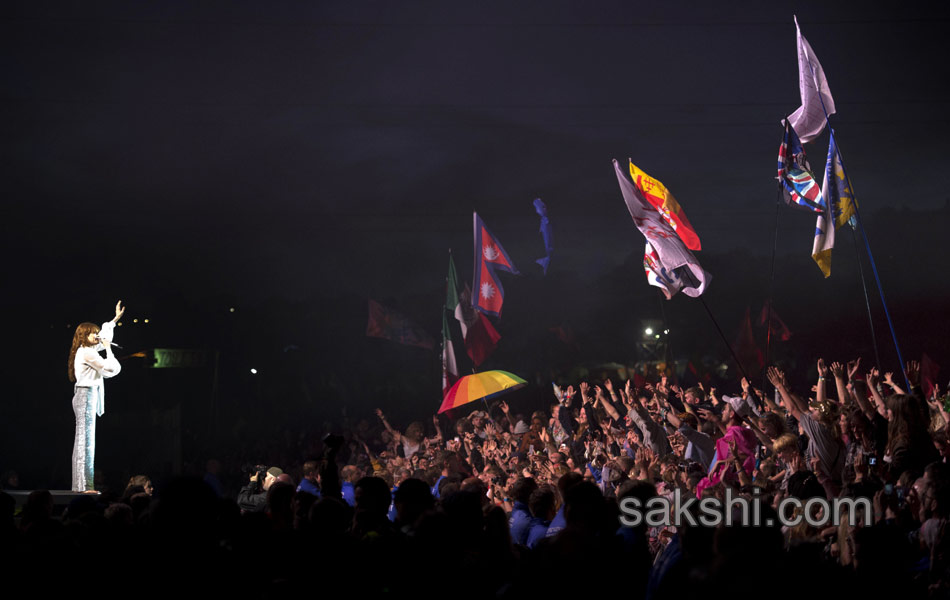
<point x="91" y="368"/>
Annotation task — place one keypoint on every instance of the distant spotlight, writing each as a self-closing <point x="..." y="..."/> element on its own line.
<point x="232" y="309"/>
<point x="253" y="371"/>
<point x="658" y="336"/>
<point x="648" y="331"/>
<point x="146" y="320"/>
<point x="666" y="331"/>
<point x="119" y="323"/>
<point x="135" y="320"/>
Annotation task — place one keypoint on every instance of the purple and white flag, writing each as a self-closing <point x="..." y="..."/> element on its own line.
<point x="674" y="268"/>
<point x="817" y="104"/>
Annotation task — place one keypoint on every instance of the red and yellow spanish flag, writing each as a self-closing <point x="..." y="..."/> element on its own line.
<point x="665" y="204"/>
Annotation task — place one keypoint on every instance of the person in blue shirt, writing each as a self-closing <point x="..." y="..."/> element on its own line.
<point x="543" y="504"/>
<point x="350" y="475"/>
<point x="519" y="522"/>
<point x="401" y="475"/>
<point x="566" y="481"/>
<point x="308" y="484"/>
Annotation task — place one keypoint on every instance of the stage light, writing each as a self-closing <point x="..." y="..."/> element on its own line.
<point x="666" y="331"/>
<point x="253" y="371"/>
<point x="658" y="336"/>
<point x="146" y="320"/>
<point x="648" y="331"/>
<point x="135" y="320"/>
<point x="232" y="309"/>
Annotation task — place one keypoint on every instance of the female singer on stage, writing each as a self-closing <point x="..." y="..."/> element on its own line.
<point x="86" y="369"/>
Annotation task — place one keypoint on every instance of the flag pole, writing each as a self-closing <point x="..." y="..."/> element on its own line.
<point x="668" y="353"/>
<point x="867" y="245"/>
<point x="867" y="300"/>
<point x="857" y="215"/>
<point x="728" y="345"/>
<point x="768" y="330"/>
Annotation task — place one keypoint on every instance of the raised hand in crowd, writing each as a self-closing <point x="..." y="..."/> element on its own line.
<point x="839" y="371"/>
<point x="822" y="368"/>
<point x="912" y="370"/>
<point x="569" y="394"/>
<point x="776" y="377"/>
<point x="853" y="367"/>
<point x="873" y="377"/>
<point x="889" y="380"/>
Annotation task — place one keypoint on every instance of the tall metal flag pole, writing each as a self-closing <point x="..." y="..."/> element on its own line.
<point x="877" y="277"/>
<point x="735" y="357"/>
<point x="768" y="330"/>
<point x="668" y="352"/>
<point x="867" y="300"/>
<point x="857" y="215"/>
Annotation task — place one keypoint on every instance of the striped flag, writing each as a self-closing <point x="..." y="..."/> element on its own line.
<point x="450" y="370"/>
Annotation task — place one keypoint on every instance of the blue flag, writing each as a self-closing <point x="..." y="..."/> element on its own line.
<point x="546" y="233"/>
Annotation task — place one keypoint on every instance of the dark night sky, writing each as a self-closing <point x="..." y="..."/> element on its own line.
<point x="183" y="154"/>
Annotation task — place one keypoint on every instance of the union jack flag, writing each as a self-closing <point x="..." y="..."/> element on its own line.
<point x="799" y="187"/>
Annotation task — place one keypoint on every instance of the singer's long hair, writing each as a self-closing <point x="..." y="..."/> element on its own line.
<point x="80" y="338"/>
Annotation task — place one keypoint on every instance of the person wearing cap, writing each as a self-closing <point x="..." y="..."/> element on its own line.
<point x="253" y="496"/>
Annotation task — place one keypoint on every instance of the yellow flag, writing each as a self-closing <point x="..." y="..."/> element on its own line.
<point x="665" y="204"/>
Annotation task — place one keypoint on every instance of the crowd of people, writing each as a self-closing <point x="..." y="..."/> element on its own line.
<point x="504" y="502"/>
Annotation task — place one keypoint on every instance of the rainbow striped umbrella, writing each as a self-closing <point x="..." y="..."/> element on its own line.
<point x="480" y="386"/>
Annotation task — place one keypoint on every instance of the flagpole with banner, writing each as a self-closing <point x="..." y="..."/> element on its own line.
<point x="450" y="370"/>
<point x="818" y="78"/>
<point x="877" y="277"/>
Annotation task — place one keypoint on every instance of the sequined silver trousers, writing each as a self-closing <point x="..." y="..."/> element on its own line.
<point x="85" y="400"/>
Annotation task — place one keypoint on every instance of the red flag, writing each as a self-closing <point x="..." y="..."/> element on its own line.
<point x="480" y="336"/>
<point x="565" y="334"/>
<point x="639" y="381"/>
<point x="777" y="325"/>
<point x="677" y="268"/>
<point x="928" y="375"/>
<point x="746" y="349"/>
<point x="386" y="323"/>
<point x="692" y="369"/>
<point x="489" y="258"/>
